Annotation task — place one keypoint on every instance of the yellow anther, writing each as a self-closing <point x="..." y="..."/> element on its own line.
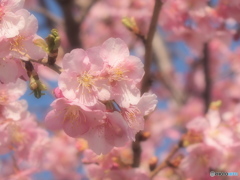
<point x="86" y="80"/>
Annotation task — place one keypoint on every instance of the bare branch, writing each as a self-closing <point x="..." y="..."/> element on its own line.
<point x="207" y="77"/>
<point x="54" y="67"/>
<point x="166" y="162"/>
<point x="148" y="46"/>
<point x="136" y="147"/>
<point x="71" y="25"/>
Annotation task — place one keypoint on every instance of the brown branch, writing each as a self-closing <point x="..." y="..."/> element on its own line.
<point x="137" y="150"/>
<point x="71" y="25"/>
<point x="136" y="146"/>
<point x="148" y="46"/>
<point x="166" y="162"/>
<point x="54" y="67"/>
<point x="207" y="77"/>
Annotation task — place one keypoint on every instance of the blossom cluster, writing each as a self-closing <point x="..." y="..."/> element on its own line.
<point x="98" y="96"/>
<point x="17" y="34"/>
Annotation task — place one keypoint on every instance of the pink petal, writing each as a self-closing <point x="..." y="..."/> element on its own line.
<point x="76" y="61"/>
<point x="10" y="25"/>
<point x="54" y="120"/>
<point x="31" y="23"/>
<point x="95" y="59"/>
<point x="7" y="66"/>
<point x="114" y="51"/>
<point x="134" y="66"/>
<point x="147" y="103"/>
<point x="75" y="127"/>
<point x="68" y="85"/>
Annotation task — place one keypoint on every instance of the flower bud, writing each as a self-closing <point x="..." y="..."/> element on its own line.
<point x="37" y="86"/>
<point x="131" y="24"/>
<point x="144" y="135"/>
<point x="153" y="163"/>
<point x="33" y="83"/>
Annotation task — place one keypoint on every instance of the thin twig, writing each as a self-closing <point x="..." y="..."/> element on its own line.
<point x="148" y="46"/>
<point x="166" y="162"/>
<point x="137" y="150"/>
<point x="207" y="77"/>
<point x="54" y="67"/>
<point x="136" y="146"/>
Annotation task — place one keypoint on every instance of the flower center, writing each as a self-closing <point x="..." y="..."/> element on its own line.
<point x="16" y="45"/>
<point x="130" y="114"/>
<point x="117" y="74"/>
<point x="73" y="114"/>
<point x="86" y="80"/>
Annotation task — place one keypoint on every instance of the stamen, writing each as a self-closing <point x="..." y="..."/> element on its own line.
<point x="86" y="80"/>
<point x="117" y="74"/>
<point x="73" y="114"/>
<point x="16" y="45"/>
<point x="130" y="114"/>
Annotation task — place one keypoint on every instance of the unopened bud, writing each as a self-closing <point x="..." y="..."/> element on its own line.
<point x="37" y="86"/>
<point x="53" y="40"/>
<point x="57" y="93"/>
<point x="131" y="24"/>
<point x="144" y="135"/>
<point x="57" y="42"/>
<point x="33" y="83"/>
<point x="81" y="145"/>
<point x="153" y="163"/>
<point x="215" y="105"/>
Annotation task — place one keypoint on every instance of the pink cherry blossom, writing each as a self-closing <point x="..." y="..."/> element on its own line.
<point x="200" y="158"/>
<point x="81" y="79"/>
<point x="10" y="23"/>
<point x="135" y="112"/>
<point x="112" y="132"/>
<point x="124" y="72"/>
<point x="22" y="45"/>
<point x="12" y="91"/>
<point x="74" y="118"/>
<point x="62" y="162"/>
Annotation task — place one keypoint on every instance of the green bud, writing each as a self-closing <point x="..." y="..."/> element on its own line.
<point x="37" y="86"/>
<point x="131" y="24"/>
<point x="53" y="40"/>
<point x="57" y="42"/>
